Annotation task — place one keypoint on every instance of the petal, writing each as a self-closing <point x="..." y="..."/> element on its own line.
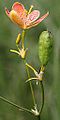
<point x="38" y="21"/>
<point x="42" y="18"/>
<point x="17" y="19"/>
<point x="18" y="7"/>
<point x="7" y="12"/>
<point x="32" y="17"/>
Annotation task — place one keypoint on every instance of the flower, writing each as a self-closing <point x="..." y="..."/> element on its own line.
<point x="23" y="18"/>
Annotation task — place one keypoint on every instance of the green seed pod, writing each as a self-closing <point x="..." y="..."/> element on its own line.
<point x="45" y="47"/>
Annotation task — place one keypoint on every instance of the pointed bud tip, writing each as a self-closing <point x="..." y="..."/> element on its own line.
<point x="5" y="8"/>
<point x="7" y="11"/>
<point x="48" y="13"/>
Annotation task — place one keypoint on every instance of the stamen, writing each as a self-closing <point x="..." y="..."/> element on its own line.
<point x="30" y="9"/>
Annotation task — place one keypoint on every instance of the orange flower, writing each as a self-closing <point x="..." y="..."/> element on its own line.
<point x="25" y="20"/>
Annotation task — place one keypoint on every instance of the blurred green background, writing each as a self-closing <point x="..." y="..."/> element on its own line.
<point x="12" y="68"/>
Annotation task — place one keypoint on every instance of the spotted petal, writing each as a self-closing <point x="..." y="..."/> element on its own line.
<point x="18" y="7"/>
<point x="37" y="21"/>
<point x="32" y="17"/>
<point x="17" y="19"/>
<point x="17" y="14"/>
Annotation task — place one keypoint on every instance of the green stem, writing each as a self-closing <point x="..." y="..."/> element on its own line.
<point x="33" y="97"/>
<point x="15" y="105"/>
<point x="23" y="36"/>
<point x="42" y="88"/>
<point x="31" y="87"/>
<point x="38" y="117"/>
<point x="31" y="67"/>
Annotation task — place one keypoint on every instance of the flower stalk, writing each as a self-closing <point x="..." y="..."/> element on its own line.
<point x="23" y="37"/>
<point x="15" y="105"/>
<point x="31" y="87"/>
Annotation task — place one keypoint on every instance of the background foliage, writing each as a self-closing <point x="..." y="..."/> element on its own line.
<point x="12" y="68"/>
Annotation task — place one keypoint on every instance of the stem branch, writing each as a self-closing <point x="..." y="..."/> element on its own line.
<point x="32" y="92"/>
<point x="33" y="97"/>
<point x="15" y="105"/>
